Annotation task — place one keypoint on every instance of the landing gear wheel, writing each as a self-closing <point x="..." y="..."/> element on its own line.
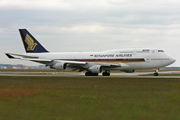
<point x="156" y="74"/>
<point x="91" y="74"/>
<point x="95" y="74"/>
<point x="106" y="74"/>
<point x="87" y="74"/>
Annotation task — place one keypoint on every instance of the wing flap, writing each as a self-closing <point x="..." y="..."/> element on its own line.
<point x="110" y="65"/>
<point x="72" y="62"/>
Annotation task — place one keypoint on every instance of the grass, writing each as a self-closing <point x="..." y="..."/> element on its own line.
<point x="169" y="74"/>
<point x="89" y="98"/>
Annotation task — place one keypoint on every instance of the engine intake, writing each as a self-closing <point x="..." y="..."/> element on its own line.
<point x="96" y="69"/>
<point x="60" y="66"/>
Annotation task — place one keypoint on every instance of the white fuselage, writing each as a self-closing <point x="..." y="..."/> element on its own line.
<point x="129" y="59"/>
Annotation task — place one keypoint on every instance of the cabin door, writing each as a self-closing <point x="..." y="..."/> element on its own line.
<point x="134" y="51"/>
<point x="147" y="59"/>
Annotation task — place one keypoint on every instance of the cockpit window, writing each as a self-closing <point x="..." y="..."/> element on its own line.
<point x="160" y="50"/>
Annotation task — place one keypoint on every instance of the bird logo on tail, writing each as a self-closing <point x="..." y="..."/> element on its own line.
<point x="30" y="43"/>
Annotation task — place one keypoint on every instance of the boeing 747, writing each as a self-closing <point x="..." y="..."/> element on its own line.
<point x="127" y="60"/>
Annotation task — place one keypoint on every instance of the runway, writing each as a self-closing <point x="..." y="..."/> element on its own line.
<point x="164" y="74"/>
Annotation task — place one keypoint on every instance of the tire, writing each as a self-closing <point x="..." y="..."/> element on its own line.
<point x="91" y="74"/>
<point x="95" y="74"/>
<point x="106" y="74"/>
<point x="87" y="74"/>
<point x="155" y="74"/>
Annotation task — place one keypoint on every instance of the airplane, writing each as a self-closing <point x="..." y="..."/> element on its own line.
<point x="127" y="60"/>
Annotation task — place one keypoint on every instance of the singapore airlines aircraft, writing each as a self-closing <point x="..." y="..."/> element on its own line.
<point x="127" y="60"/>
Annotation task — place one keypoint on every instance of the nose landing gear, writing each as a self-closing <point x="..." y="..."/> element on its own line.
<point x="156" y="72"/>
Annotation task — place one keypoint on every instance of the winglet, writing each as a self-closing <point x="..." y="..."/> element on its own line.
<point x="31" y="45"/>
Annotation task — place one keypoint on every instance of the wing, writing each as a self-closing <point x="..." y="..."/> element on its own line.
<point x="73" y="65"/>
<point x="47" y="62"/>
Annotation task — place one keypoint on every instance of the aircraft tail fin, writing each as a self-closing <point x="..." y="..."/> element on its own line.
<point x="31" y="45"/>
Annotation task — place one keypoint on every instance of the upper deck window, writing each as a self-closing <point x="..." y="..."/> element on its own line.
<point x="126" y="52"/>
<point x="160" y="50"/>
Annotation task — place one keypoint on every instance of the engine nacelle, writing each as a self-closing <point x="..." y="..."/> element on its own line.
<point x="60" y="66"/>
<point x="95" y="69"/>
<point x="128" y="71"/>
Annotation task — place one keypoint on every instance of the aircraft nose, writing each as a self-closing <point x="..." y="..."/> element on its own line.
<point x="173" y="59"/>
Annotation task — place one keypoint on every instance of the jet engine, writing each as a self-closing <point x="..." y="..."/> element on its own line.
<point x="95" y="69"/>
<point x="60" y="66"/>
<point x="128" y="71"/>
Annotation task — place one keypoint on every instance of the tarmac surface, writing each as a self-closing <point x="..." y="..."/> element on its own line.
<point x="176" y="74"/>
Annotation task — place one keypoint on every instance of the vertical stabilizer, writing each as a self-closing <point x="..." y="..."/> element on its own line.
<point x="31" y="45"/>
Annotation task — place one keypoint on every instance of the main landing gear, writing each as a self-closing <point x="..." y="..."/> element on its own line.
<point x="156" y="72"/>
<point x="106" y="73"/>
<point x="91" y="74"/>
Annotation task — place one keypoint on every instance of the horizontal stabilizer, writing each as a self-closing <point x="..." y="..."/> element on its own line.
<point x="19" y="55"/>
<point x="9" y="56"/>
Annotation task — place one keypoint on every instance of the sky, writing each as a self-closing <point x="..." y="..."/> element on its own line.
<point x="90" y="25"/>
